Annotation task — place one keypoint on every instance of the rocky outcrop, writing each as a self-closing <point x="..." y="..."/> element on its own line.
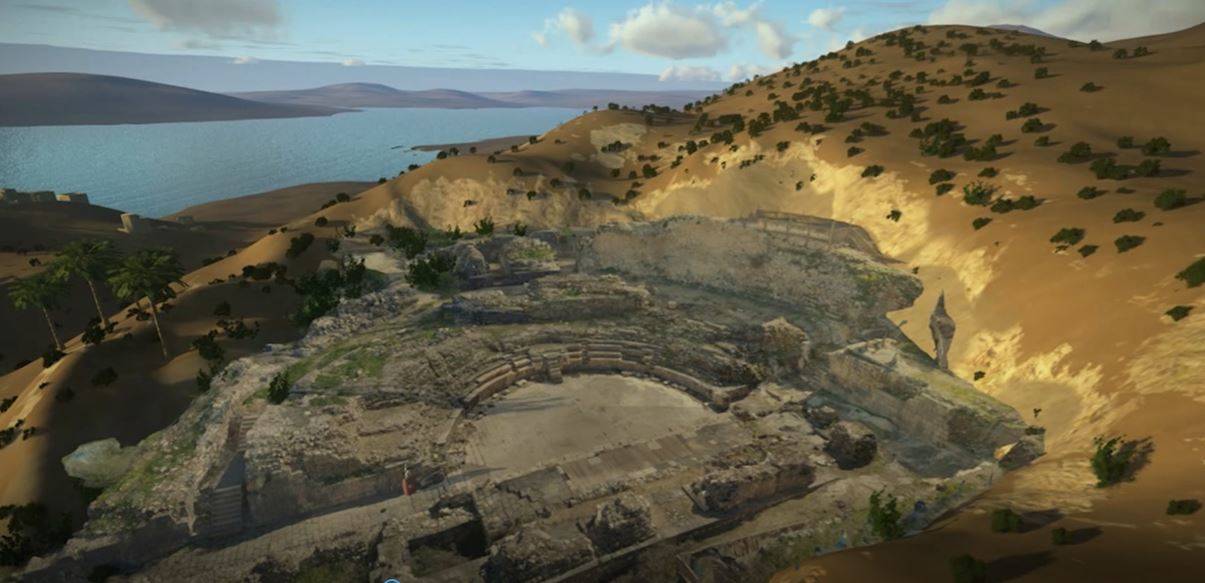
<point x="532" y="554"/>
<point x="525" y="254"/>
<point x="622" y="522"/>
<point x="726" y="490"/>
<point x="1021" y="453"/>
<point x="851" y="444"/>
<point x="941" y="325"/>
<point x="99" y="464"/>
<point x="470" y="262"/>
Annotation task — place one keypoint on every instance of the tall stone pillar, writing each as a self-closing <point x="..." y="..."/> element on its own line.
<point x="942" y="327"/>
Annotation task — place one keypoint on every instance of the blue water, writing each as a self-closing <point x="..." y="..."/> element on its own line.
<point x="158" y="169"/>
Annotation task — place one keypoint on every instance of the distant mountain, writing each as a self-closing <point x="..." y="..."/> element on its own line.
<point x="1024" y="29"/>
<point x="229" y="75"/>
<point x="36" y="99"/>
<point x="374" y="95"/>
<point x="377" y="95"/>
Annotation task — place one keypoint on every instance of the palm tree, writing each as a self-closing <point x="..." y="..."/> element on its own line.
<point x="148" y="273"/>
<point x="39" y="291"/>
<point x="91" y="261"/>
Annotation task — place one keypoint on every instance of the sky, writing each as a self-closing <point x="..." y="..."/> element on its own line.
<point x="717" y="41"/>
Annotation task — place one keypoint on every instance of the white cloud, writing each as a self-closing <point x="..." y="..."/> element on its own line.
<point x="215" y="18"/>
<point x="1079" y="19"/>
<point x="826" y="18"/>
<point x="353" y="63"/>
<point x="577" y="26"/>
<point x="731" y="15"/>
<point x="858" y="35"/>
<point x="743" y="72"/>
<point x="689" y="73"/>
<point x="670" y="31"/>
<point x="773" y="40"/>
<point x="245" y="61"/>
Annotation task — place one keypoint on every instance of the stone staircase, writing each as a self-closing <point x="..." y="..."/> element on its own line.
<point x="225" y="516"/>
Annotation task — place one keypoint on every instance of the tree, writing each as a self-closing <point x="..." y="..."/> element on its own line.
<point x="148" y="273"/>
<point x="42" y="291"/>
<point x="90" y="261"/>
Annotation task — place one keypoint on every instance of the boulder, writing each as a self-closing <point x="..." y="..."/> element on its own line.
<point x="784" y="345"/>
<point x="531" y="554"/>
<point x="851" y="444"/>
<point x="99" y="464"/>
<point x="470" y="262"/>
<point x="622" y="522"/>
<point x="821" y="417"/>
<point x="1021" y="453"/>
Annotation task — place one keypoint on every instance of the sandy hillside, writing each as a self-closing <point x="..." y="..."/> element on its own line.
<point x="1078" y="332"/>
<point x="63" y="403"/>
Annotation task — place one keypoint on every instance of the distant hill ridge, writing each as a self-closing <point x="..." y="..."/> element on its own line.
<point x="34" y="99"/>
<point x="378" y="95"/>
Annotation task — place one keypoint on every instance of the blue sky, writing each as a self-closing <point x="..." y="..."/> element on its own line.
<point x="718" y="40"/>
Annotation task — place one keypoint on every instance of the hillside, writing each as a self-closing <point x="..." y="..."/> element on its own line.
<point x="376" y="95"/>
<point x="35" y="99"/>
<point x="1078" y="330"/>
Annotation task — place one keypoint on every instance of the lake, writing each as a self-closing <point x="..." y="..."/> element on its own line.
<point x="158" y="169"/>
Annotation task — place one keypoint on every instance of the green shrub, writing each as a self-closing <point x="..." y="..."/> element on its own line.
<point x="321" y="292"/>
<point x="872" y="171"/>
<point x="944" y="188"/>
<point x="853" y="151"/>
<point x="940" y="175"/>
<point x="485" y="226"/>
<point x="1126" y="242"/>
<point x="431" y="272"/>
<point x="1068" y="236"/>
<point x="1090" y="87"/>
<point x="1005" y="520"/>
<point x="1106" y="168"/>
<point x="376" y="240"/>
<point x="320" y="222"/>
<point x="1147" y="167"/>
<point x="894" y="215"/>
<point x="968" y="569"/>
<point x="980" y="222"/>
<point x="988" y="172"/>
<point x="1078" y="152"/>
<point x="1125" y="142"/>
<point x="1188" y="506"/>
<point x="1157" y="147"/>
<point x="1194" y="274"/>
<point x="1171" y="199"/>
<point x="298" y="245"/>
<point x="1060" y="536"/>
<point x="1041" y="73"/>
<point x="1178" y="313"/>
<point x="1089" y="192"/>
<point x="1042" y="141"/>
<point x="278" y="388"/>
<point x="104" y="377"/>
<point x="1087" y="250"/>
<point x="978" y="193"/>
<point x="409" y="241"/>
<point x="32" y="531"/>
<point x="1024" y="203"/>
<point x="519" y="229"/>
<point x="51" y="356"/>
<point x="209" y="349"/>
<point x="1128" y="216"/>
<point x="885" y="516"/>
<point x="1111" y="460"/>
<point x="204" y="380"/>
<point x="1032" y="125"/>
<point x="93" y="333"/>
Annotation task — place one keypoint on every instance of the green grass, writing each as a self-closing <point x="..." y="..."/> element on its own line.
<point x="355" y="364"/>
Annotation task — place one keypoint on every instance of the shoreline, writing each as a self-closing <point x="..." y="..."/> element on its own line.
<point x="500" y="143"/>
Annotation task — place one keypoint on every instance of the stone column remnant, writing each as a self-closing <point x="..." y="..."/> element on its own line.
<point x="942" y="327"/>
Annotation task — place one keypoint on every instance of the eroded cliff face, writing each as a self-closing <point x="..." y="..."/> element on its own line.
<point x="771" y="329"/>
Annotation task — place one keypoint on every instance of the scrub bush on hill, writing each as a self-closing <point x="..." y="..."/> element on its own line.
<point x="1111" y="459"/>
<point x="1068" y="236"/>
<point x="321" y="292"/>
<point x="1194" y="274"/>
<point x="299" y="245"/>
<point x="884" y="516"/>
<point x="431" y="272"/>
<point x="1171" y="199"/>
<point x="409" y="241"/>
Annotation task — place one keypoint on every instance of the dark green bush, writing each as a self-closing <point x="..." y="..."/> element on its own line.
<point x="872" y="171"/>
<point x="1188" y="506"/>
<point x="1111" y="460"/>
<point x="93" y="333"/>
<point x="968" y="569"/>
<point x="431" y="272"/>
<point x="104" y="377"/>
<point x="980" y="222"/>
<point x="321" y="292"/>
<point x="1089" y="192"/>
<point x="1042" y="141"/>
<point x="1106" y="168"/>
<point x="408" y="240"/>
<point x="944" y="188"/>
<point x="853" y="151"/>
<point x="204" y="380"/>
<point x="298" y="245"/>
<point x="1128" y="216"/>
<point x="209" y="349"/>
<point x="1126" y="242"/>
<point x="1125" y="142"/>
<point x="1087" y="250"/>
<point x="1032" y="125"/>
<point x="1171" y="199"/>
<point x="940" y="175"/>
<point x="1041" y="73"/>
<point x="1090" y="87"/>
<point x="978" y="193"/>
<point x="1157" y="147"/>
<point x="485" y="226"/>
<point x="1060" y="536"/>
<point x="988" y="172"/>
<point x="1178" y="313"/>
<point x="1147" y="167"/>
<point x="884" y="516"/>
<point x="1078" y="152"/>
<point x="1005" y="520"/>
<point x="320" y="222"/>
<point x="32" y="531"/>
<point x="278" y="388"/>
<point x="1194" y="274"/>
<point x="1068" y="236"/>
